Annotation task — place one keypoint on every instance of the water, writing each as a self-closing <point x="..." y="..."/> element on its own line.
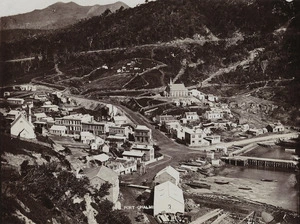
<point x="284" y="193"/>
<point x="274" y="152"/>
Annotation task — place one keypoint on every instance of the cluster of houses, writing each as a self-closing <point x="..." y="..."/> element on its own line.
<point x="194" y="133"/>
<point x="182" y="96"/>
<point x="26" y="121"/>
<point x="194" y="136"/>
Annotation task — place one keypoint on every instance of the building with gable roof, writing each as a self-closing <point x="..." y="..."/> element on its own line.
<point x="59" y="130"/>
<point x="87" y="137"/>
<point x="276" y="127"/>
<point x="134" y="155"/>
<point x="16" y="101"/>
<point x="176" y="90"/>
<point x="13" y="114"/>
<point x="191" y="116"/>
<point x="168" y="198"/>
<point x="122" y="166"/>
<point x="21" y="127"/>
<point x="167" y="174"/>
<point x="142" y="148"/>
<point x="195" y="137"/>
<point x="100" y="175"/>
<point x="119" y="120"/>
<point x="142" y="134"/>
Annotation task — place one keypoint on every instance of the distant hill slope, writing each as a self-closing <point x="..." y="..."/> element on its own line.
<point x="56" y="16"/>
<point x="198" y="39"/>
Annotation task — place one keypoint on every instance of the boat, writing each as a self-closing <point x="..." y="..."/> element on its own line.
<point x="221" y="182"/>
<point x="266" y="145"/>
<point x="268" y="180"/>
<point x="206" y="172"/>
<point x="198" y="164"/>
<point x="198" y="185"/>
<point x="245" y="188"/>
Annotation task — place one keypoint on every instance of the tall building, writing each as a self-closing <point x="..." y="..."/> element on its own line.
<point x="142" y="134"/>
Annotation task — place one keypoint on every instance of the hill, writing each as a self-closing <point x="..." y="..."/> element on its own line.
<point x="56" y="16"/>
<point x="249" y="47"/>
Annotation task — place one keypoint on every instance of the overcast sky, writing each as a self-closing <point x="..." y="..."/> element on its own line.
<point x="13" y="7"/>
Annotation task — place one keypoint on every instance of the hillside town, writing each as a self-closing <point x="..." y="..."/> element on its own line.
<point x="107" y="145"/>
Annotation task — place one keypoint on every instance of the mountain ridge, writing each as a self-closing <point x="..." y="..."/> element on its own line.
<point x="55" y="16"/>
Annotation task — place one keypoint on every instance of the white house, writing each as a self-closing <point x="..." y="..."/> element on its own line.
<point x="167" y="174"/>
<point x="196" y="93"/>
<point x="277" y="127"/>
<point x="144" y="148"/>
<point x="105" y="148"/>
<point x="101" y="175"/>
<point x="59" y="130"/>
<point x="191" y="116"/>
<point x="213" y="115"/>
<point x="94" y="146"/>
<point x="6" y="94"/>
<point x="212" y="98"/>
<point x="49" y="108"/>
<point x="121" y="166"/>
<point x="119" y="120"/>
<point x="101" y="157"/>
<point x="18" y="101"/>
<point x="133" y="155"/>
<point x="86" y="137"/>
<point x="195" y="137"/>
<point x="39" y="116"/>
<point x="21" y="127"/>
<point x="168" y="198"/>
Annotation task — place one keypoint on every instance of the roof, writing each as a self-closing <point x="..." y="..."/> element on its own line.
<point x="142" y="127"/>
<point x="102" y="157"/>
<point x="11" y="98"/>
<point x="124" y="162"/>
<point x="58" y="128"/>
<point x="179" y="86"/>
<point x="133" y="153"/>
<point x="39" y="115"/>
<point x="86" y="134"/>
<point x="170" y="170"/>
<point x="166" y="191"/>
<point x="49" y="106"/>
<point x="142" y="147"/>
<point x="116" y="137"/>
<point x="21" y="116"/>
<point x="13" y="112"/>
<point x="191" y="113"/>
<point x="120" y="118"/>
<point x="101" y="172"/>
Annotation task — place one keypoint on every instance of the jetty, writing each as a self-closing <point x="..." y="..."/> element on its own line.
<point x="260" y="162"/>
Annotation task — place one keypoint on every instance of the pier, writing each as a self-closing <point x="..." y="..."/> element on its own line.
<point x="260" y="162"/>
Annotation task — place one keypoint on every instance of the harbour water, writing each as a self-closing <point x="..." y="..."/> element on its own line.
<point x="282" y="192"/>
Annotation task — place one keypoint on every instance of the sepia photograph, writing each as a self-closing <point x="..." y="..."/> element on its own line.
<point x="150" y="111"/>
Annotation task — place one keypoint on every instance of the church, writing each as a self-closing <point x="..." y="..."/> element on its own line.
<point x="176" y="90"/>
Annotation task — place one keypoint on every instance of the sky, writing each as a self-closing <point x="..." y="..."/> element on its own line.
<point x="13" y="7"/>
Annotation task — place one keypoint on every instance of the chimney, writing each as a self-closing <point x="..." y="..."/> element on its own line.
<point x="29" y="112"/>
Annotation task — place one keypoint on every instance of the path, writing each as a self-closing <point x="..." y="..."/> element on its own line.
<point x="221" y="71"/>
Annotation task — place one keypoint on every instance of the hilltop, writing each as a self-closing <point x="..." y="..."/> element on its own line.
<point x="56" y="16"/>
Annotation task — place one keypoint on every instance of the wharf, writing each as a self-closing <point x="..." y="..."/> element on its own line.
<point x="260" y="162"/>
